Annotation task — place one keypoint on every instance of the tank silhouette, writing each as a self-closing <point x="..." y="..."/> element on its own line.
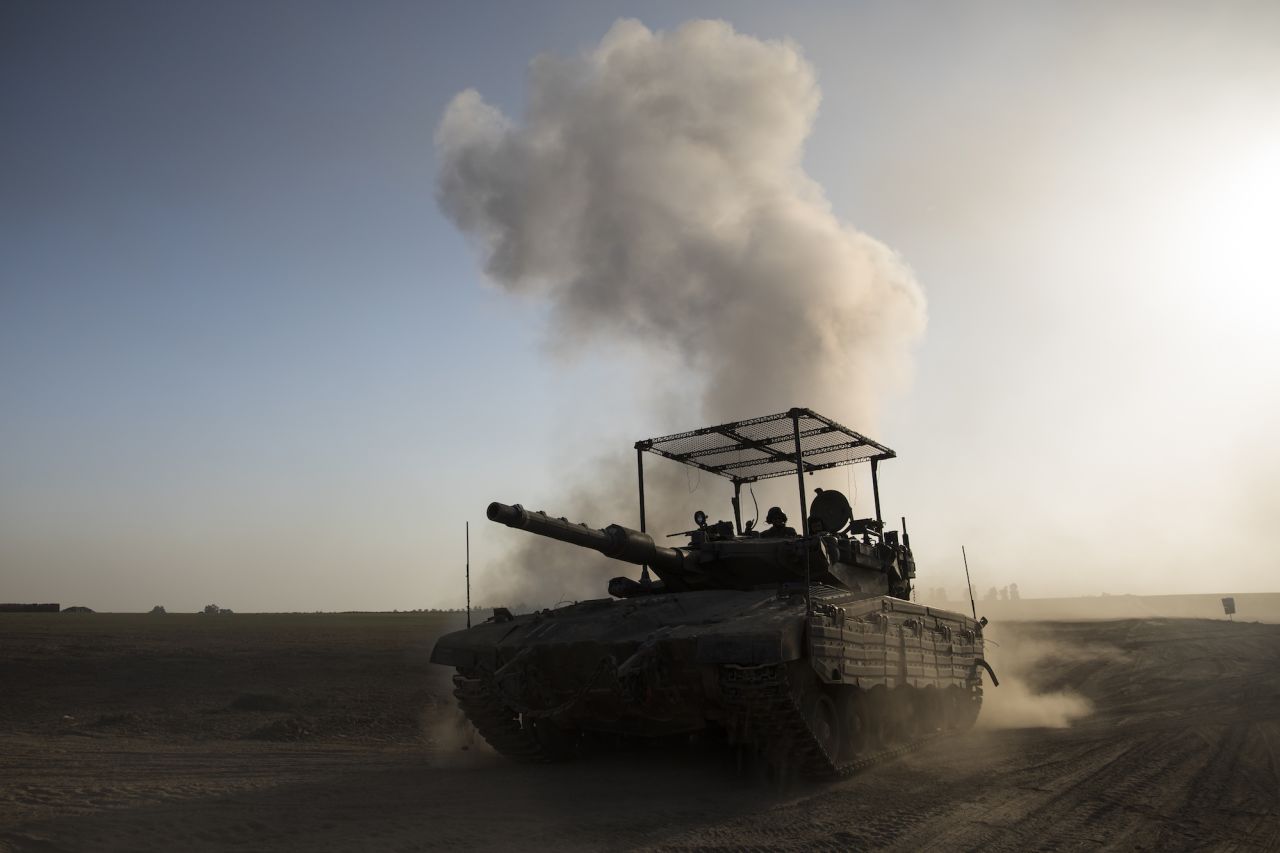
<point x="804" y="645"/>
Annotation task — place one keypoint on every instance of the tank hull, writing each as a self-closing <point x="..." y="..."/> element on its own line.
<point x="725" y="660"/>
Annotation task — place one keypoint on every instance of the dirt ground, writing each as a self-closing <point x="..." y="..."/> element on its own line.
<point x="333" y="732"/>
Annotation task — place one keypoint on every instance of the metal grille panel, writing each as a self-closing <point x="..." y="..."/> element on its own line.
<point x="760" y="448"/>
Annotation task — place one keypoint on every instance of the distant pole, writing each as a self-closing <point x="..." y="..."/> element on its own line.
<point x="468" y="574"/>
<point x="969" y="584"/>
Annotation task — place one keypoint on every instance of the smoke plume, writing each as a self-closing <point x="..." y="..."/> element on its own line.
<point x="653" y="195"/>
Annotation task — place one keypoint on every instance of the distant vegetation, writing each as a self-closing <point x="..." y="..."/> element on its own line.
<point x="214" y="610"/>
<point x="158" y="610"/>
<point x="1004" y="593"/>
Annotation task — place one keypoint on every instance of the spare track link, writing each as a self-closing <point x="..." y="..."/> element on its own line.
<point x="498" y="724"/>
<point x="769" y="717"/>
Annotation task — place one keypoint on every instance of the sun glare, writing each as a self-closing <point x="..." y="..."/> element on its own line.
<point x="1238" y="217"/>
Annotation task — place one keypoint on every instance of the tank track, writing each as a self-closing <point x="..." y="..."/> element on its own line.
<point x="499" y="725"/>
<point x="768" y="714"/>
<point x="762" y="701"/>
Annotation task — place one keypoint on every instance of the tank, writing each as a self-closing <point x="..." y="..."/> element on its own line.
<point x="801" y="646"/>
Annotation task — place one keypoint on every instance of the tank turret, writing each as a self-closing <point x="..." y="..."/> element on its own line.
<point x="840" y="551"/>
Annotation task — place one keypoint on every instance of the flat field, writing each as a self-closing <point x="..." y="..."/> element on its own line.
<point x="334" y="732"/>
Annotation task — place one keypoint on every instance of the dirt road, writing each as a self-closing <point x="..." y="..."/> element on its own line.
<point x="333" y="733"/>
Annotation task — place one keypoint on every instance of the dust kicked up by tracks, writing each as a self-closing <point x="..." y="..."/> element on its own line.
<point x="334" y="733"/>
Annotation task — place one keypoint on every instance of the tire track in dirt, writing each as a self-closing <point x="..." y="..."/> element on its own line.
<point x="1028" y="808"/>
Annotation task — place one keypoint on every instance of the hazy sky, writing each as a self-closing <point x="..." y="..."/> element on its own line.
<point x="244" y="358"/>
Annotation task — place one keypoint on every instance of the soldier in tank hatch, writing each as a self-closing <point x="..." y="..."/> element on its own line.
<point x="777" y="520"/>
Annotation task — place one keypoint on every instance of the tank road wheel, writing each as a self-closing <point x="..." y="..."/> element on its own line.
<point x="903" y="715"/>
<point x="862" y="726"/>
<point x="951" y="697"/>
<point x="961" y="706"/>
<point x="969" y="704"/>
<point x="930" y="713"/>
<point x="824" y="721"/>
<point x="878" y="715"/>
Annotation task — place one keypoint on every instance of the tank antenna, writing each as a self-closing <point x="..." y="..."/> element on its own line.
<point x="468" y="574"/>
<point x="969" y="583"/>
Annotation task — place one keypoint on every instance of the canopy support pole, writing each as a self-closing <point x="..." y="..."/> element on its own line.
<point x="737" y="506"/>
<point x="875" y="485"/>
<point x="644" y="570"/>
<point x="804" y="515"/>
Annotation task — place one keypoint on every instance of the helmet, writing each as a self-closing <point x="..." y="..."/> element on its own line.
<point x="776" y="515"/>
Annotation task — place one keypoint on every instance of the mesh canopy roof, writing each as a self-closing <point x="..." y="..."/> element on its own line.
<point x="765" y="447"/>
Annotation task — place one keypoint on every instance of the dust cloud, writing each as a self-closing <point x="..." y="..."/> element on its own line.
<point x="653" y="198"/>
<point x="1021" y="658"/>
<point x="451" y="739"/>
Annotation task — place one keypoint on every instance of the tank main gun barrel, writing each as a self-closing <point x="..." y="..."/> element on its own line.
<point x="614" y="541"/>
